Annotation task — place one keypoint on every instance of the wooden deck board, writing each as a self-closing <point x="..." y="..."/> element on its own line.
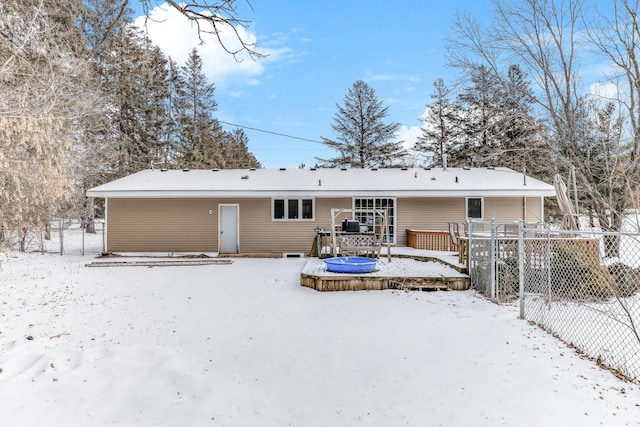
<point x="387" y="275"/>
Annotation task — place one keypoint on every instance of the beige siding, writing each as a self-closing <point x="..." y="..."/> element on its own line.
<point x="435" y="213"/>
<point x="503" y="209"/>
<point x="185" y="225"/>
<point x="510" y="209"/>
<point x="535" y="209"/>
<point x="159" y="225"/>
<point x="259" y="233"/>
<point x="427" y="214"/>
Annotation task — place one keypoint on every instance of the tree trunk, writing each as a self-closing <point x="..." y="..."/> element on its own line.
<point x="23" y="239"/>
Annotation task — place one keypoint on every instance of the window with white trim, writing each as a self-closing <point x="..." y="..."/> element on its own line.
<point x="364" y="213"/>
<point x="475" y="208"/>
<point x="285" y="209"/>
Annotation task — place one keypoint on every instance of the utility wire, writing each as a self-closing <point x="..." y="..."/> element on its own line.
<point x="272" y="133"/>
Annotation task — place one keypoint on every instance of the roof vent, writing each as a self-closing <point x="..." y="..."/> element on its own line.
<point x="247" y="177"/>
<point x="433" y="178"/>
<point x="456" y="179"/>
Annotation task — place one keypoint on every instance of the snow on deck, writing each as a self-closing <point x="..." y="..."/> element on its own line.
<point x="397" y="267"/>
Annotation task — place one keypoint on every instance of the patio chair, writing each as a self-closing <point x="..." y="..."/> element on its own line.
<point x="454" y="232"/>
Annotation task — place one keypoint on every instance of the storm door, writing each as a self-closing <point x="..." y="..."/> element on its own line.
<point x="228" y="229"/>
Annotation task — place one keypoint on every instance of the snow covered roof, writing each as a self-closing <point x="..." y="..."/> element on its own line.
<point x="325" y="182"/>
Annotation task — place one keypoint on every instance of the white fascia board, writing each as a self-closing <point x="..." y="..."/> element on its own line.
<point x="344" y="193"/>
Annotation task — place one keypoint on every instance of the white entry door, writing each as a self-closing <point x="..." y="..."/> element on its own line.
<point x="228" y="229"/>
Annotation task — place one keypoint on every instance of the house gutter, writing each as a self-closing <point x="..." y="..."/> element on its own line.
<point x="310" y="193"/>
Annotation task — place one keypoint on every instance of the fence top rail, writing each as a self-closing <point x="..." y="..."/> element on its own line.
<point x="584" y="234"/>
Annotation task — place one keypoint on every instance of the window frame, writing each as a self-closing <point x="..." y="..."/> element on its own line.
<point x="466" y="205"/>
<point x="393" y="224"/>
<point x="288" y="208"/>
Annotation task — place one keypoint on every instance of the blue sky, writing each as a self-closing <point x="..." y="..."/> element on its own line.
<point x="317" y="49"/>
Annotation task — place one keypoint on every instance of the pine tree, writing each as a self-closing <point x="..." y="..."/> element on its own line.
<point x="363" y="139"/>
<point x="197" y="126"/>
<point x="237" y="154"/>
<point x="175" y="104"/>
<point x="477" y="123"/>
<point x="439" y="128"/>
<point x="520" y="142"/>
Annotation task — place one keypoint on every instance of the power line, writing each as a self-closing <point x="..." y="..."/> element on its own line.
<point x="272" y="133"/>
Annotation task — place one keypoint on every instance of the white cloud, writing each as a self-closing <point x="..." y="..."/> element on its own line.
<point x="604" y="90"/>
<point x="177" y="36"/>
<point x="409" y="135"/>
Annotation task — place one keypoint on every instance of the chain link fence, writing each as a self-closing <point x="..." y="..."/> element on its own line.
<point x="581" y="286"/>
<point x="62" y="236"/>
<point x="584" y="287"/>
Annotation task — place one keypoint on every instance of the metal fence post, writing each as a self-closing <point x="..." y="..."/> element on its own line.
<point x="61" y="233"/>
<point x="548" y="262"/>
<point x="492" y="260"/>
<point x="521" y="266"/>
<point x="470" y="252"/>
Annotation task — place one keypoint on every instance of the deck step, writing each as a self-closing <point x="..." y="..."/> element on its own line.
<point x="418" y="286"/>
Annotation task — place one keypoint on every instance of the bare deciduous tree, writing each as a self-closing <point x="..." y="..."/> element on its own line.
<point x="44" y="92"/>
<point x="546" y="38"/>
<point x="213" y="17"/>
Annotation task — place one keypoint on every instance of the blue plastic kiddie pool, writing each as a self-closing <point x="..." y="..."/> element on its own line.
<point x="351" y="264"/>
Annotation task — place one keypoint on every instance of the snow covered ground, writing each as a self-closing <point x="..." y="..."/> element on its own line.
<point x="245" y="345"/>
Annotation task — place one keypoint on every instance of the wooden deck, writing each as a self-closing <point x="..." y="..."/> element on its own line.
<point x="403" y="273"/>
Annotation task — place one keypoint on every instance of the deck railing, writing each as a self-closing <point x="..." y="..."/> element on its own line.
<point x="430" y="240"/>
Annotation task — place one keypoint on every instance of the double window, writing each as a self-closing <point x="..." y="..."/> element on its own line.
<point x="292" y="209"/>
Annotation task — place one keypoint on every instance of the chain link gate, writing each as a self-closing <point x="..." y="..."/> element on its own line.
<point x="493" y="259"/>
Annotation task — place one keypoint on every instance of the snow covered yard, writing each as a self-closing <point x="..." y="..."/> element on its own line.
<point x="245" y="345"/>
